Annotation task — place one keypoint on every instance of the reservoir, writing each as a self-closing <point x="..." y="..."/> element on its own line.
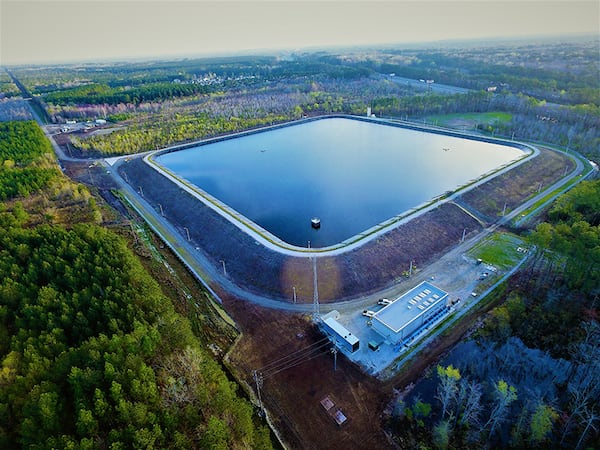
<point x="349" y="174"/>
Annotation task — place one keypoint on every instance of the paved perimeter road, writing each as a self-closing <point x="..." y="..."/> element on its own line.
<point x="209" y="275"/>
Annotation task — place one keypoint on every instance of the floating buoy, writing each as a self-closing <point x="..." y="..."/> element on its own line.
<point x="315" y="222"/>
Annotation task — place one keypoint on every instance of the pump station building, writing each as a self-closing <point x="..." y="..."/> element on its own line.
<point x="405" y="316"/>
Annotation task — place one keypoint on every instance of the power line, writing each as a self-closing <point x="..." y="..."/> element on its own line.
<point x="299" y="358"/>
<point x="316" y="309"/>
<point x="287" y="362"/>
<point x="282" y="359"/>
<point x="314" y="354"/>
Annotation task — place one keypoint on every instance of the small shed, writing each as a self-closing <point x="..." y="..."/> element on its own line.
<point x="341" y="335"/>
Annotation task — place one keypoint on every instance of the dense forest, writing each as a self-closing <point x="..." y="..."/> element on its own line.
<point x="96" y="94"/>
<point x="23" y="169"/>
<point x="93" y="354"/>
<point x="530" y="376"/>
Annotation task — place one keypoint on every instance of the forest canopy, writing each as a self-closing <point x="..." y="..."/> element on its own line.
<point x="93" y="355"/>
<point x="22" y="168"/>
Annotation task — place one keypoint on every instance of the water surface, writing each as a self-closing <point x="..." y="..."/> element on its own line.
<point x="351" y="174"/>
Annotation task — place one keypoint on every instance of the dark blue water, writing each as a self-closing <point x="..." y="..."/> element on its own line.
<point x="349" y="173"/>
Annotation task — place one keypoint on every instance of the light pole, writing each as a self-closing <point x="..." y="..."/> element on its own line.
<point x="162" y="213"/>
<point x="294" y="289"/>
<point x="188" y="233"/>
<point x="224" y="270"/>
<point x="334" y="350"/>
<point x="141" y="191"/>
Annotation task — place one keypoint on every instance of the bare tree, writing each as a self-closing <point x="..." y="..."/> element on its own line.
<point x="469" y="407"/>
<point x="447" y="387"/>
<point x="589" y="416"/>
<point x="504" y="395"/>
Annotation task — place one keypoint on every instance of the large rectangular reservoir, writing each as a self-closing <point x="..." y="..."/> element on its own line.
<point x="351" y="174"/>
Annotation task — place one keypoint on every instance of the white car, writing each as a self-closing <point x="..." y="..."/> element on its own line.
<point x="368" y="313"/>
<point x="384" y="301"/>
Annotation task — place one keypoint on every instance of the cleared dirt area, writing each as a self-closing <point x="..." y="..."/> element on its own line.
<point x="293" y="396"/>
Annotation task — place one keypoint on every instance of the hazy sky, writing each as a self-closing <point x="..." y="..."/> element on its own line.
<point x="57" y="31"/>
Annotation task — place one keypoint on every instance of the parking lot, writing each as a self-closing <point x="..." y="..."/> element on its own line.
<point x="459" y="274"/>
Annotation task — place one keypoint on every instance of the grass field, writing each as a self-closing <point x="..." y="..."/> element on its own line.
<point x="468" y="120"/>
<point x="499" y="250"/>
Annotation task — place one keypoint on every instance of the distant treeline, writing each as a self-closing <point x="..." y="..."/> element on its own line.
<point x="97" y="94"/>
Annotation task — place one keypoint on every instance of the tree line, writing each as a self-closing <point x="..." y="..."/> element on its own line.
<point x="97" y="94"/>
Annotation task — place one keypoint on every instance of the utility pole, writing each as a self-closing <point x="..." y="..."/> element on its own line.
<point x="316" y="309"/>
<point x="141" y="191"/>
<point x="188" y="233"/>
<point x="162" y="213"/>
<point x="504" y="209"/>
<point x="410" y="269"/>
<point x="463" y="235"/>
<point x="334" y="350"/>
<point x="258" y="379"/>
<point x="223" y="262"/>
<point x="294" y="289"/>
